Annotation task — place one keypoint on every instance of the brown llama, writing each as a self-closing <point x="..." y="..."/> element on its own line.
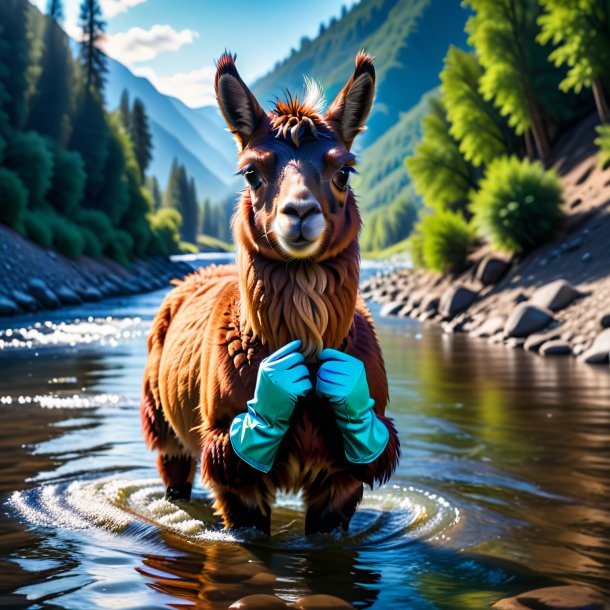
<point x="291" y="298"/>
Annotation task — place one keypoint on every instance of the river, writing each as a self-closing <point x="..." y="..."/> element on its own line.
<point x="504" y="483"/>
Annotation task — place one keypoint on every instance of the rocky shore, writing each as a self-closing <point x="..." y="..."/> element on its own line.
<point x="34" y="278"/>
<point x="554" y="302"/>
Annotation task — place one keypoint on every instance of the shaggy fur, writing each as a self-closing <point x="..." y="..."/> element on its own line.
<point x="215" y="327"/>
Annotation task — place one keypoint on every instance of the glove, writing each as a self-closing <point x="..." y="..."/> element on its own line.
<point x="342" y="380"/>
<point x="282" y="378"/>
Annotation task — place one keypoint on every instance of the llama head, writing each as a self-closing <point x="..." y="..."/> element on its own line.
<point x="296" y="162"/>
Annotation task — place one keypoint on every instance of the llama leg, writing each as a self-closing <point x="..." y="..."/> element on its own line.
<point x="332" y="504"/>
<point x="177" y="473"/>
<point x="243" y="508"/>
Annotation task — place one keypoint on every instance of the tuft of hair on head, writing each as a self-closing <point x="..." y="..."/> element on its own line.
<point x="314" y="95"/>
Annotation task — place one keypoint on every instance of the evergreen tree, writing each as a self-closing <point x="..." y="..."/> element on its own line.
<point x="152" y="185"/>
<point x="92" y="58"/>
<point x="55" y="10"/>
<point x="171" y="195"/>
<point x="581" y="31"/>
<point x="140" y="136"/>
<point x="207" y="218"/>
<point x="125" y="110"/>
<point x="517" y="75"/>
<point x="475" y="123"/>
<point x="191" y="213"/>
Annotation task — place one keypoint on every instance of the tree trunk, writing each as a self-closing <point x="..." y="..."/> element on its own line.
<point x="600" y="100"/>
<point x="539" y="133"/>
<point x="529" y="147"/>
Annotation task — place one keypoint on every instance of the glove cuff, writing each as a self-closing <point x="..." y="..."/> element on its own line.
<point x="364" y="440"/>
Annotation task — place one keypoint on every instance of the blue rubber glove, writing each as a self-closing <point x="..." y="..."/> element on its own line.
<point x="342" y="380"/>
<point x="282" y="378"/>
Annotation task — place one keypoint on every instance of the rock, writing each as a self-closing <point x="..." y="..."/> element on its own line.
<point x="88" y="293"/>
<point x="572" y="244"/>
<point x="490" y="327"/>
<point x="322" y="602"/>
<point x="456" y="299"/>
<point x="24" y="300"/>
<point x="42" y="293"/>
<point x="391" y="308"/>
<point x="533" y="342"/>
<point x="555" y="296"/>
<point x="259" y="602"/>
<point x="8" y="307"/>
<point x="526" y="319"/>
<point x="515" y="342"/>
<point x="491" y="270"/>
<point x="67" y="296"/>
<point x="599" y="352"/>
<point x="430" y="303"/>
<point x="404" y="312"/>
<point x="604" y="321"/>
<point x="557" y="347"/>
<point x="568" y="597"/>
<point x="520" y="297"/>
<point x="586" y="257"/>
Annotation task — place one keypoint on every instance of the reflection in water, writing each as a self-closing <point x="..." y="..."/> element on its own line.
<point x="503" y="486"/>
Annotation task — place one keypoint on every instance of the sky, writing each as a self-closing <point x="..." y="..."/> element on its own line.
<point x="173" y="43"/>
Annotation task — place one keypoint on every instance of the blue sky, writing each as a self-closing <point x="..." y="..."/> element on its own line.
<point x="173" y="43"/>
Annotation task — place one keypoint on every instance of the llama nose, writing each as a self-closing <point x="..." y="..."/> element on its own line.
<point x="301" y="209"/>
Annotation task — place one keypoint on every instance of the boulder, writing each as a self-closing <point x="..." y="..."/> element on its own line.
<point x="533" y="342"/>
<point x="555" y="296"/>
<point x="455" y="300"/>
<point x="322" y="602"/>
<point x="259" y="601"/>
<point x="567" y="597"/>
<point x="599" y="352"/>
<point x="526" y="319"/>
<point x="88" y="293"/>
<point x="42" y="293"/>
<point x="491" y="270"/>
<point x="604" y="321"/>
<point x="430" y="303"/>
<point x="24" y="300"/>
<point x="67" y="296"/>
<point x="490" y="327"/>
<point x="8" y="307"/>
<point x="391" y="308"/>
<point x="556" y="347"/>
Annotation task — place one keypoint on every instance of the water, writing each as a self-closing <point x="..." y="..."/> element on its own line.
<point x="503" y="485"/>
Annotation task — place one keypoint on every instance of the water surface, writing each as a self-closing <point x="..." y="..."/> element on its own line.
<point x="503" y="484"/>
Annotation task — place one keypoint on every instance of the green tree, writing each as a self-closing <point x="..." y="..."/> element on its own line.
<point x="580" y="32"/>
<point x="207" y="217"/>
<point x="171" y="195"/>
<point x="517" y="75"/>
<point x="93" y="60"/>
<point x="439" y="172"/>
<point x="140" y="136"/>
<point x="481" y="132"/>
<point x="55" y="10"/>
<point x="152" y="184"/>
<point x="125" y="109"/>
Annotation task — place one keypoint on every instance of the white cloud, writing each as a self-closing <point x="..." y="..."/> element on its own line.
<point x="137" y="45"/>
<point x="111" y="8"/>
<point x="194" y="88"/>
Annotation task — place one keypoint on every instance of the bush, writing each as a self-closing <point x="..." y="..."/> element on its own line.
<point x="97" y="223"/>
<point x="166" y="224"/>
<point x="67" y="237"/>
<point x="120" y="247"/>
<point x="38" y="229"/>
<point x="445" y="240"/>
<point x="13" y="198"/>
<point x="603" y="141"/>
<point x="518" y="204"/>
<point x="68" y="181"/>
<point x="93" y="246"/>
<point x="416" y="249"/>
<point x="28" y="156"/>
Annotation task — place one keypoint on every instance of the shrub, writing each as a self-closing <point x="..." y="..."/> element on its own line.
<point x="416" y="249"/>
<point x="603" y="141"/>
<point x="166" y="224"/>
<point x="13" y="198"/>
<point x="120" y="247"/>
<point x="97" y="223"/>
<point x="28" y="156"/>
<point x="68" y="181"/>
<point x="67" y="237"/>
<point x="93" y="246"/>
<point x="518" y="204"/>
<point x="37" y="228"/>
<point x="445" y="240"/>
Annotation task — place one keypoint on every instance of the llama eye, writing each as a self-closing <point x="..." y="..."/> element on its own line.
<point x="253" y="178"/>
<point x="342" y="176"/>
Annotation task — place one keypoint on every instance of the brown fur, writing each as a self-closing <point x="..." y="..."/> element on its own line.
<point x="214" y="328"/>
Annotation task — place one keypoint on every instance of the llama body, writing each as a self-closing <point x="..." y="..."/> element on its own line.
<point x="215" y="328"/>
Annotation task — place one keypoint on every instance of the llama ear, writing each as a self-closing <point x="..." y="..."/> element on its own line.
<point x="352" y="106"/>
<point x="237" y="103"/>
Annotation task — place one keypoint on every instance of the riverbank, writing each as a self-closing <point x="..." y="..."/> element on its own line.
<point x="554" y="301"/>
<point x="33" y="278"/>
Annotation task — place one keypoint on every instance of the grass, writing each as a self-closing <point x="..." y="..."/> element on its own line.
<point x="207" y="243"/>
<point x="398" y="249"/>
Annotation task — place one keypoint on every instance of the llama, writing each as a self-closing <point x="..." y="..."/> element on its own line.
<point x="270" y="371"/>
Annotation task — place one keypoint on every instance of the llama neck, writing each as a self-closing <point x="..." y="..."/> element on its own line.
<point x="314" y="302"/>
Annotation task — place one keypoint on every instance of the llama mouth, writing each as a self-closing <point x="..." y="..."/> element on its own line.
<point x="301" y="248"/>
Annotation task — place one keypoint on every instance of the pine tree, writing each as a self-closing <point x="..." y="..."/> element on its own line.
<point x="475" y="123"/>
<point x="170" y="196"/>
<point x="207" y="220"/>
<point x="581" y="31"/>
<point x="55" y="10"/>
<point x="152" y="185"/>
<point x="125" y="110"/>
<point x="140" y="135"/>
<point x="191" y="213"/>
<point x="92" y="58"/>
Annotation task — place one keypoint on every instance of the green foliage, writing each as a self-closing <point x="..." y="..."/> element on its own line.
<point x="603" y="141"/>
<point x="93" y="246"/>
<point x="13" y="198"/>
<point x="38" y="229"/>
<point x="166" y="223"/>
<point x="92" y="58"/>
<point x="439" y="172"/>
<point x="416" y="249"/>
<point x="188" y="248"/>
<point x="140" y="136"/>
<point x="481" y="132"/>
<point x="68" y="181"/>
<point x="67" y="237"/>
<point x="181" y="195"/>
<point x="518" y="204"/>
<point x="446" y="239"/>
<point x="98" y="224"/>
<point x="120" y="247"/>
<point x="28" y="156"/>
<point x="55" y="10"/>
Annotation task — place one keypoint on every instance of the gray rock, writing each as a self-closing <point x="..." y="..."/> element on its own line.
<point x="24" y="300"/>
<point x="557" y="347"/>
<point x="456" y="299"/>
<point x="404" y="312"/>
<point x="392" y="308"/>
<point x="526" y="319"/>
<point x="8" y="307"/>
<point x="490" y="327"/>
<point x="555" y="296"/>
<point x="42" y="293"/>
<point x="67" y="296"/>
<point x="567" y="597"/>
<point x="599" y="352"/>
<point x="533" y="342"/>
<point x="88" y="293"/>
<point x="430" y="303"/>
<point x="515" y="342"/>
<point x="573" y="244"/>
<point x="586" y="257"/>
<point x="491" y="270"/>
<point x="604" y="321"/>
